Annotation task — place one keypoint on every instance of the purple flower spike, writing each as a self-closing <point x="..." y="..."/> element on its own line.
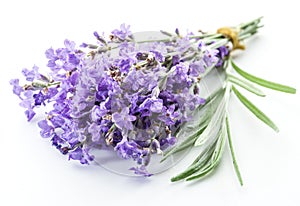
<point x="39" y="99"/>
<point x="196" y="68"/>
<point x="151" y="104"/>
<point x="81" y="154"/>
<point x="210" y="57"/>
<point x="122" y="33"/>
<point x="123" y="95"/>
<point x="223" y="52"/>
<point x="29" y="114"/>
<point x="47" y="131"/>
<point x="169" y="115"/>
<point x="123" y="120"/>
<point x="17" y="89"/>
<point x="84" y="45"/>
<point x="70" y="45"/>
<point x="29" y="74"/>
<point x="96" y="35"/>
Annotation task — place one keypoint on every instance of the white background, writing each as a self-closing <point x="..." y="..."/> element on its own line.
<point x="34" y="173"/>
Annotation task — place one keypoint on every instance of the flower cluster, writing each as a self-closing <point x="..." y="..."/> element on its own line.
<point x="119" y="94"/>
<point x="139" y="97"/>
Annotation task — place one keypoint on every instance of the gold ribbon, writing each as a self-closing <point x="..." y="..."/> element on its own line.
<point x="233" y="36"/>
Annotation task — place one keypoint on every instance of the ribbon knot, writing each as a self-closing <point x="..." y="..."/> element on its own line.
<point x="233" y="36"/>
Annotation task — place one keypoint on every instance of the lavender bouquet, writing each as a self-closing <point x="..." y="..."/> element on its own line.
<point x="142" y="98"/>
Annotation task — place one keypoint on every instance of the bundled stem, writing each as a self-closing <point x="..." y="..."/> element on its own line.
<point x="210" y="154"/>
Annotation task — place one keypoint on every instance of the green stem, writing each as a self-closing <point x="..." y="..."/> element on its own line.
<point x="53" y="84"/>
<point x="255" y="21"/>
<point x="235" y="164"/>
<point x="153" y="40"/>
<point x="206" y="36"/>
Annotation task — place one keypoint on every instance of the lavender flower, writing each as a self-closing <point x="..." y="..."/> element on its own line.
<point x="47" y="130"/>
<point x="17" y="89"/>
<point x="141" y="98"/>
<point x="152" y="104"/>
<point x="123" y="95"/>
<point x="123" y="119"/>
<point x="122" y="33"/>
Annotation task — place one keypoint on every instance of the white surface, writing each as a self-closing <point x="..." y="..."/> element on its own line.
<point x="34" y="173"/>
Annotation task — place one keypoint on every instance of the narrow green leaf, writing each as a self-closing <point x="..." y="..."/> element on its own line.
<point x="235" y="164"/>
<point x="216" y="120"/>
<point x="255" y="22"/>
<point x="210" y="146"/>
<point x="188" y="142"/>
<point x="262" y="82"/>
<point x="193" y="133"/>
<point x="214" y="159"/>
<point x="245" y="84"/>
<point x="258" y="113"/>
<point x="202" y="159"/>
<point x="201" y="175"/>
